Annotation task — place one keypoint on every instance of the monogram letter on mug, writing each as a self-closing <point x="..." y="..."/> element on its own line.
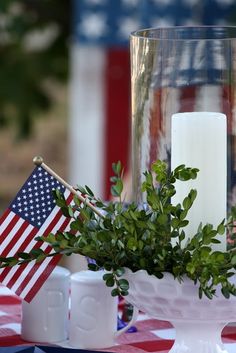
<point x="45" y="319"/>
<point x="93" y="317"/>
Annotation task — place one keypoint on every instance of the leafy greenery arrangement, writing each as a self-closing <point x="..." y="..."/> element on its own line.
<point x="141" y="236"/>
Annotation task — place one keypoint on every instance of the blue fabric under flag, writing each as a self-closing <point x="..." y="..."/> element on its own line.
<point x="42" y="349"/>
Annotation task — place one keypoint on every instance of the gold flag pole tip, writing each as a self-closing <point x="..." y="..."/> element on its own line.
<point x="38" y="160"/>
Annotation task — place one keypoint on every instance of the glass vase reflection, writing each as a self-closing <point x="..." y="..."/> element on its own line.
<point x="174" y="70"/>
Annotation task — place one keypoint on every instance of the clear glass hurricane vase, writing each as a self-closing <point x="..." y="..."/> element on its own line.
<point x="174" y="70"/>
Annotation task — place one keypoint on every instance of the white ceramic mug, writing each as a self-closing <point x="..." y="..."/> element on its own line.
<point x="45" y="318"/>
<point x="94" y="312"/>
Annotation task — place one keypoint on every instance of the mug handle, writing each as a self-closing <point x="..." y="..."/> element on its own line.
<point x="131" y="322"/>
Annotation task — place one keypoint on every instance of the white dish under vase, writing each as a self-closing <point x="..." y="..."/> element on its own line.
<point x="198" y="322"/>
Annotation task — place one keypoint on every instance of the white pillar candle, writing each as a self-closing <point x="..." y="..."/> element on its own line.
<point x="198" y="140"/>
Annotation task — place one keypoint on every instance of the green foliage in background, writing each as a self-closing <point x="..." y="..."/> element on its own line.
<point x="33" y="50"/>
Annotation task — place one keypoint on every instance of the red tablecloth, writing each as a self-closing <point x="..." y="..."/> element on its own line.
<point x="152" y="335"/>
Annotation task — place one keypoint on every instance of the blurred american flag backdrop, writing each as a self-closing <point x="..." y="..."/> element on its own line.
<point x="100" y="76"/>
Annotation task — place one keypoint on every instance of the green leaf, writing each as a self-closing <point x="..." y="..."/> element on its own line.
<point x="205" y="251"/>
<point x="182" y="236"/>
<point x="70" y="211"/>
<point x="82" y="190"/>
<point x="51" y="238"/>
<point x="160" y="169"/>
<point x="187" y="203"/>
<point x="221" y="229"/>
<point x="215" y="241"/>
<point x="124" y="293"/>
<point x="123" y="284"/>
<point x="75" y="225"/>
<point x="233" y="260"/>
<point x="61" y="203"/>
<point x="179" y="168"/>
<point x="116" y="167"/>
<point x="184" y="223"/>
<point x="93" y="267"/>
<point x="110" y="282"/>
<point x="115" y="292"/>
<point x="162" y="219"/>
<point x="225" y="292"/>
<point x="40" y="258"/>
<point x="76" y="200"/>
<point x="183" y="214"/>
<point x="117" y="189"/>
<point x="12" y="261"/>
<point x="107" y="276"/>
<point x="104" y="236"/>
<point x="120" y="271"/>
<point x="132" y="244"/>
<point x="85" y="214"/>
<point x="58" y="194"/>
<point x="89" y="191"/>
<point x="23" y="255"/>
<point x="175" y="223"/>
<point x="193" y="195"/>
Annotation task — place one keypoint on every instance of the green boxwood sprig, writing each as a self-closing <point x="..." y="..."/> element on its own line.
<point x="141" y="236"/>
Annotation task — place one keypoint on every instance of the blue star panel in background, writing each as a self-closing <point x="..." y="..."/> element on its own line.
<point x="109" y="22"/>
<point x="105" y="22"/>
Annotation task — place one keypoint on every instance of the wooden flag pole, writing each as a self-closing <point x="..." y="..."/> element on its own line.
<point x="38" y="161"/>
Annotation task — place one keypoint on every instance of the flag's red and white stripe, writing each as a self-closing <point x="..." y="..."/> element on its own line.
<point x="17" y="235"/>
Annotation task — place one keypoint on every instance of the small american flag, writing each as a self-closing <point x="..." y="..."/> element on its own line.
<point x="33" y="212"/>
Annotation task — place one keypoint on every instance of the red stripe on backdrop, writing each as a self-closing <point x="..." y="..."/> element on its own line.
<point x="188" y="99"/>
<point x="156" y="125"/>
<point x="117" y="112"/>
<point x="227" y="104"/>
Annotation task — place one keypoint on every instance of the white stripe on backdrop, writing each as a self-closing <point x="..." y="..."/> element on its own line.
<point x="86" y="129"/>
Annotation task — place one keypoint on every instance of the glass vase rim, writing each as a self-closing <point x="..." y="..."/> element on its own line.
<point x="145" y="33"/>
